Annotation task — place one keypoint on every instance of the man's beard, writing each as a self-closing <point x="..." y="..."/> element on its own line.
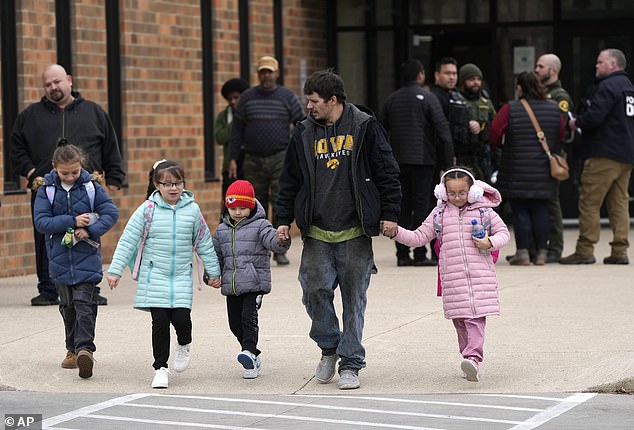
<point x="56" y="95"/>
<point x="474" y="91"/>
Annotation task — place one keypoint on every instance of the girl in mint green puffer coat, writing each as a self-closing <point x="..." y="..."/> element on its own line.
<point x="166" y="272"/>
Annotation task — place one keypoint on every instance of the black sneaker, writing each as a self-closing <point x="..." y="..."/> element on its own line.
<point x="44" y="300"/>
<point x="101" y="300"/>
<point x="425" y="262"/>
<point x="404" y="261"/>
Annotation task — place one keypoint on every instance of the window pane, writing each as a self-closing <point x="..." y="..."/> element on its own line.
<point x="436" y="12"/>
<point x="384" y="11"/>
<point x="448" y="11"/>
<point x="525" y="10"/>
<point x="352" y="65"/>
<point x="351" y="12"/>
<point x="597" y="9"/>
<point x="385" y="69"/>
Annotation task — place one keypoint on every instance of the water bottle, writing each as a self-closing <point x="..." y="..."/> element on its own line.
<point x="477" y="230"/>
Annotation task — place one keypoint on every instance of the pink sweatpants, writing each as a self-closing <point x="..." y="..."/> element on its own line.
<point x="470" y="333"/>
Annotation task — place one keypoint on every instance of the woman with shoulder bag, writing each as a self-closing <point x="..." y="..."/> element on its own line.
<point x="525" y="173"/>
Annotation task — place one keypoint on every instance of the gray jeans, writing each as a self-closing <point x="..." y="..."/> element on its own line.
<point x="79" y="310"/>
<point x="324" y="267"/>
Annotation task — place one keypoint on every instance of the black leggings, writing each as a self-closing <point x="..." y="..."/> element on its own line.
<point x="180" y="318"/>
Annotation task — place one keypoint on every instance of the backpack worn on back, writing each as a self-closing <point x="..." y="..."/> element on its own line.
<point x="90" y="190"/>
<point x="135" y="259"/>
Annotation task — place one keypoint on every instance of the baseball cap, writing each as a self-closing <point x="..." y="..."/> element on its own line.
<point x="267" y="62"/>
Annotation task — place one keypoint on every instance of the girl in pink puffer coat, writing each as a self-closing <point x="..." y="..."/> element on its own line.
<point x="466" y="267"/>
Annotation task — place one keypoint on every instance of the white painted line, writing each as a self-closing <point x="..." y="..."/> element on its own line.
<point x="422" y="402"/>
<point x="564" y="406"/>
<point x="174" y="423"/>
<point x="82" y="412"/>
<point x="332" y="408"/>
<point x="517" y="396"/>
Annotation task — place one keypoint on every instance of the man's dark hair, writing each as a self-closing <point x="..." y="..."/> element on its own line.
<point x="410" y="70"/>
<point x="326" y="83"/>
<point x="445" y="60"/>
<point x="531" y="86"/>
<point x="233" y="85"/>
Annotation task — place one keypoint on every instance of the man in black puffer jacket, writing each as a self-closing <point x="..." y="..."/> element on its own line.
<point x="414" y="117"/>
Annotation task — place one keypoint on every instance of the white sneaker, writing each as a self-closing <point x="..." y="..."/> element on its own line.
<point x="470" y="369"/>
<point x="251" y="364"/>
<point x="161" y="377"/>
<point x="181" y="360"/>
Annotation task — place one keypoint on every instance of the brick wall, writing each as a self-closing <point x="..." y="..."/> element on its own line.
<point x="161" y="88"/>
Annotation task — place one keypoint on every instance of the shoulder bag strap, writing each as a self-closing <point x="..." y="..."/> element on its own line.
<point x="540" y="134"/>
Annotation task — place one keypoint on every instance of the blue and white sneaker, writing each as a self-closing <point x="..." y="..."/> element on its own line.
<point x="251" y="364"/>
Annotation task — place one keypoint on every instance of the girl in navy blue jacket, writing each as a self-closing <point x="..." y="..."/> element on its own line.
<point x="73" y="212"/>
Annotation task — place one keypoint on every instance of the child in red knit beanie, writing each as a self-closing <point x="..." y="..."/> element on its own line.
<point x="243" y="242"/>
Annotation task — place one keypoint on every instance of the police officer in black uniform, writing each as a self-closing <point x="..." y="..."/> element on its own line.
<point x="454" y="106"/>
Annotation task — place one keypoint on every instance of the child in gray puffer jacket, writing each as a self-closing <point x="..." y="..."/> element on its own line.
<point x="243" y="242"/>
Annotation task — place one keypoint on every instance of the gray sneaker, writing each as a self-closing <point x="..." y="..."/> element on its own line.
<point x="348" y="380"/>
<point x="326" y="368"/>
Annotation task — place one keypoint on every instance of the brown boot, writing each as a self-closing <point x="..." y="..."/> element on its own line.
<point x="70" y="362"/>
<point x="540" y="258"/>
<point x="85" y="363"/>
<point x="521" y="258"/>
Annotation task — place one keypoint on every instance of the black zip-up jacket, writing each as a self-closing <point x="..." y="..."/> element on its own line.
<point x="374" y="175"/>
<point x="83" y="123"/>
<point x="608" y="123"/>
<point x="414" y="118"/>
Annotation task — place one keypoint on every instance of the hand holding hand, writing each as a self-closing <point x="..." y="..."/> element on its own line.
<point x="113" y="281"/>
<point x="283" y="235"/>
<point x="389" y="229"/>
<point x="215" y="282"/>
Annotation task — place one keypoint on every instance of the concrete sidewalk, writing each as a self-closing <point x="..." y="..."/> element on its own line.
<point x="562" y="329"/>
